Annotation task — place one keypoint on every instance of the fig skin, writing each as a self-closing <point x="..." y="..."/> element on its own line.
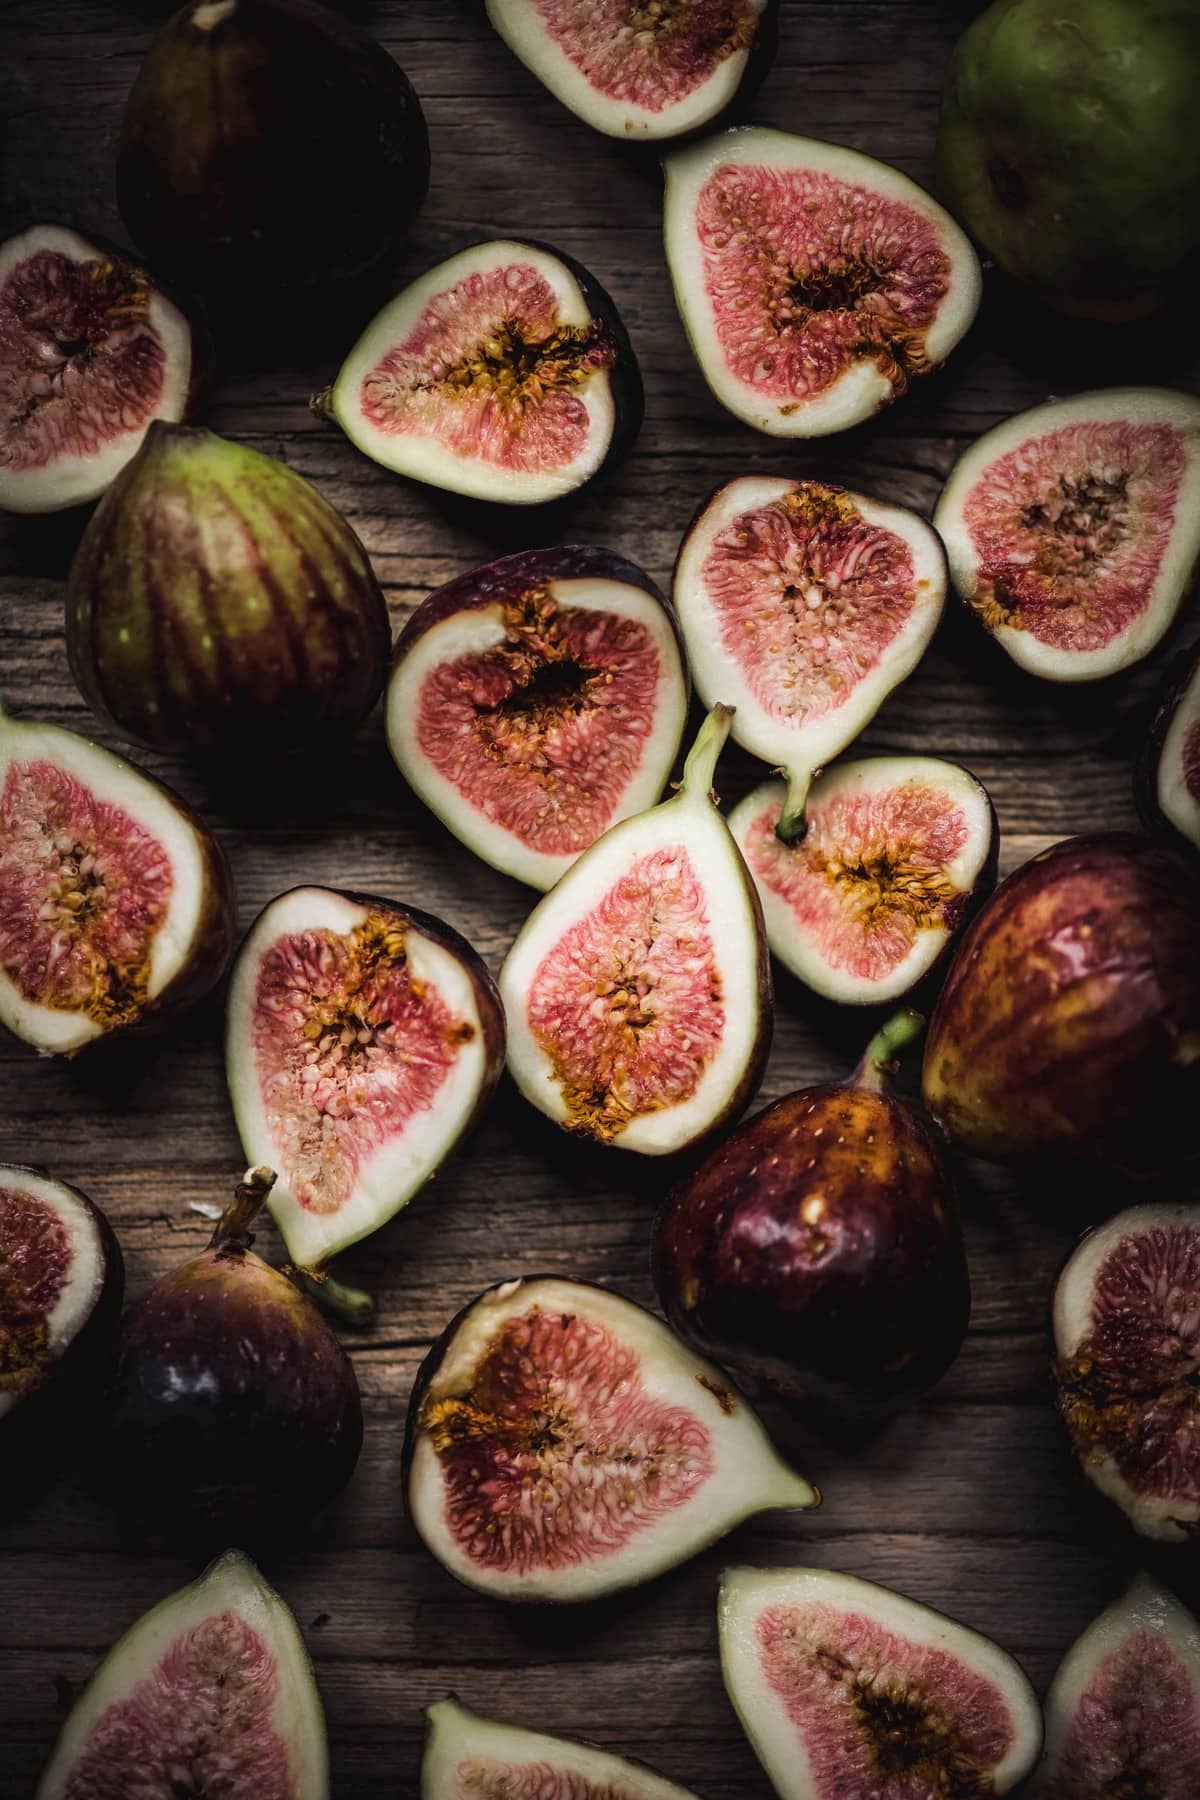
<point x="1182" y="672"/>
<point x="1069" y="1024"/>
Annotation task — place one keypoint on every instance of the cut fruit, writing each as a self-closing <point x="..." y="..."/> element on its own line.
<point x="116" y="905"/>
<point x="1073" y="530"/>
<point x="1169" y="768"/>
<point x="466" y="1755"/>
<point x="847" y="1689"/>
<point x="91" y="351"/>
<point x="896" y="852"/>
<point x="504" y="374"/>
<point x="563" y="1444"/>
<point x="638" y="991"/>
<point x="1127" y="1345"/>
<point x="636" y="70"/>
<point x="536" y="702"/>
<point x="363" y="1040"/>
<point x="815" y="284"/>
<point x="211" y="1692"/>
<point x="804" y="605"/>
<point x="1123" y="1711"/>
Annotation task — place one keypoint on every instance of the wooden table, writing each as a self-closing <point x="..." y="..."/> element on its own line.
<point x="967" y="1500"/>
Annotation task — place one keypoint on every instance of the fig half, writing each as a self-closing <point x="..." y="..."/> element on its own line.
<point x="563" y="1444"/>
<point x="804" y="605"/>
<point x="1073" y="530"/>
<point x="815" y="283"/>
<point x="1169" y="766"/>
<point x="504" y="374"/>
<point x="536" y="702"/>
<point x="116" y="904"/>
<point x="638" y="991"/>
<point x="896" y="851"/>
<point x="847" y="1689"/>
<point x="210" y="1692"/>
<point x="465" y="1755"/>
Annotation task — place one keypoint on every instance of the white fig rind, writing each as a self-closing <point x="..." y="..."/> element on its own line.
<point x="454" y="1736"/>
<point x="87" y="1270"/>
<point x="1176" y="802"/>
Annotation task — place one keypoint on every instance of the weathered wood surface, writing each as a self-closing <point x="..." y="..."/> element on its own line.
<point x="967" y="1500"/>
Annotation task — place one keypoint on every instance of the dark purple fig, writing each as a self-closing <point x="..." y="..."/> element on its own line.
<point x="1169" y="767"/>
<point x="210" y="1693"/>
<point x="219" y="603"/>
<point x="536" y="702"/>
<point x="504" y="373"/>
<point x="563" y="1444"/>
<point x="638" y="991"/>
<point x="818" y="1248"/>
<point x="116" y="903"/>
<point x="847" y="1690"/>
<point x="235" y="1411"/>
<point x="1069" y="1023"/>
<point x="465" y="1754"/>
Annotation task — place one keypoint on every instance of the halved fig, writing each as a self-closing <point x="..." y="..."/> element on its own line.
<point x="848" y="1689"/>
<point x="210" y="1692"/>
<point x="536" y="702"/>
<point x="896" y="852"/>
<point x="638" y="991"/>
<point x="1169" y="768"/>
<point x="815" y="283"/>
<point x="116" y="903"/>
<point x="504" y="373"/>
<point x="363" y="1040"/>
<point x="1073" y="530"/>
<point x="91" y="350"/>
<point x="467" y="1755"/>
<point x="1123" y="1711"/>
<point x="637" y="70"/>
<point x="563" y="1444"/>
<point x="804" y="605"/>
<point x="1127" y="1347"/>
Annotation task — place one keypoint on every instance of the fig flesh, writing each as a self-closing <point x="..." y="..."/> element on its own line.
<point x="563" y="1444"/>
<point x="504" y="374"/>
<point x="896" y="852"/>
<point x="815" y="283"/>
<point x="847" y="1689"/>
<point x="1127" y="1343"/>
<point x="638" y="71"/>
<point x="116" y="904"/>
<point x="210" y="1692"/>
<point x="538" y="701"/>
<point x="218" y="603"/>
<point x="1069" y="1023"/>
<point x="638" y="991"/>
<point x="804" y="605"/>
<point x="465" y="1754"/>
<point x="91" y="350"/>
<point x="1073" y="530"/>
<point x="1169" y="768"/>
<point x="363" y="1041"/>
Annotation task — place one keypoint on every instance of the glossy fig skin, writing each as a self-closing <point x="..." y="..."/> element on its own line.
<point x="1069" y="1024"/>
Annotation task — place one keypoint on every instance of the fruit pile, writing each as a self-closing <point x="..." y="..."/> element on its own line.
<point x="562" y="1442"/>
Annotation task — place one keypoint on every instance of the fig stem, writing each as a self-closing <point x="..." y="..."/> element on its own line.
<point x="879" y="1058"/>
<point x="793" y="820"/>
<point x="322" y="403"/>
<point x="233" y="1226"/>
<point x="353" y="1306"/>
<point x="701" y="764"/>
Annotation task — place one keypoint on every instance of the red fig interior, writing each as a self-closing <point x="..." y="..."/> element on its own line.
<point x="1171" y="771"/>
<point x="465" y="1754"/>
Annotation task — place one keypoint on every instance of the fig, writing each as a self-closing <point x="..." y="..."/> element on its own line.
<point x="638" y="991"/>
<point x="818" y="1248"/>
<point x="635" y="70"/>
<point x="847" y="1689"/>
<point x="815" y="283"/>
<point x="536" y="702"/>
<point x="1169" y="766"/>
<point x="1123" y="1711"/>
<point x="235" y="1411"/>
<point x="1073" y="530"/>
<point x="805" y="605"/>
<point x="563" y="1444"/>
<point x="896" y="853"/>
<point x="504" y="373"/>
<point x="465" y="1755"/>
<point x="1127" y="1341"/>
<point x="219" y="603"/>
<point x="210" y="1692"/>
<point x="116" y="904"/>
<point x="1069" y="1023"/>
<point x="91" y="350"/>
<point x="364" y="1039"/>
